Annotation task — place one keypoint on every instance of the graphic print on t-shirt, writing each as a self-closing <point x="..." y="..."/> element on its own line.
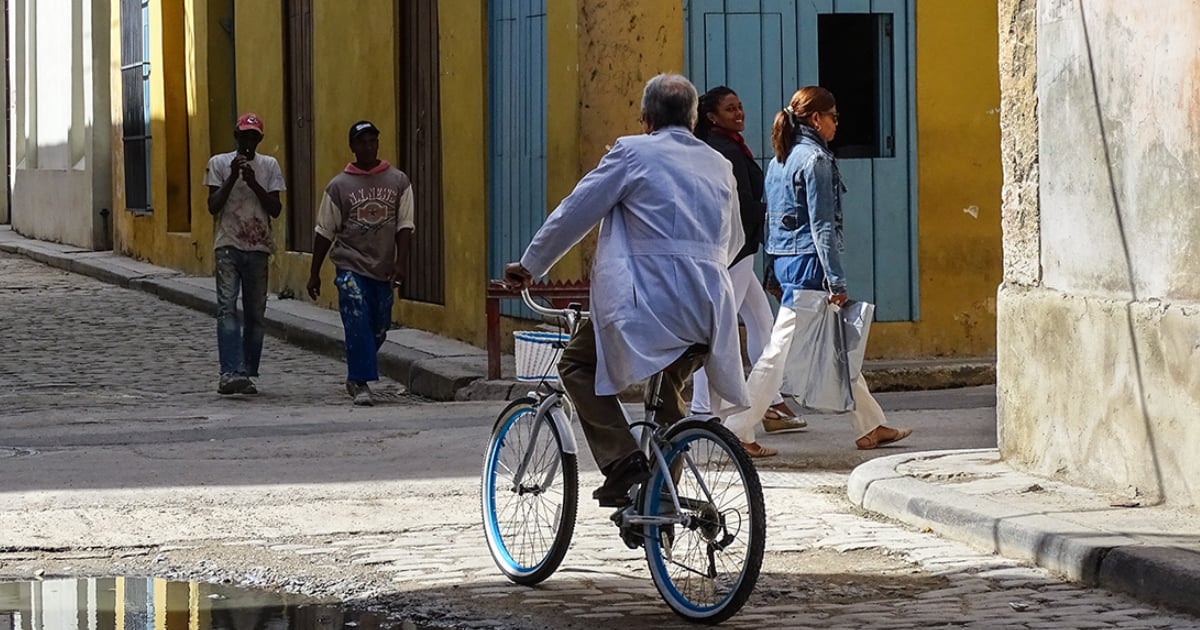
<point x="372" y="208"/>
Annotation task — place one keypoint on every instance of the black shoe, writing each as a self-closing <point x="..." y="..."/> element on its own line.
<point x="620" y="477"/>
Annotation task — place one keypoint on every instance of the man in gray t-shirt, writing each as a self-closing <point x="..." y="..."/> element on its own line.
<point x="364" y="225"/>
<point x="243" y="197"/>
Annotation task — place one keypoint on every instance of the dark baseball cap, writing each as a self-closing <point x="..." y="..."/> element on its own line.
<point x="361" y="127"/>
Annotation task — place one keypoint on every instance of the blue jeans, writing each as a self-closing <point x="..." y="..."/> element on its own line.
<point x="366" y="307"/>
<point x="799" y="271"/>
<point x="240" y="345"/>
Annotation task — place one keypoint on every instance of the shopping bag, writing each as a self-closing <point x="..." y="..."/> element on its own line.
<point x="827" y="350"/>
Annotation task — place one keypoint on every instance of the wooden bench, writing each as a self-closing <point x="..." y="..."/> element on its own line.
<point x="559" y="294"/>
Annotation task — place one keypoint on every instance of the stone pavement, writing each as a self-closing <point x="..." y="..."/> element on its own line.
<point x="426" y="364"/>
<point x="826" y="567"/>
<point x="967" y="496"/>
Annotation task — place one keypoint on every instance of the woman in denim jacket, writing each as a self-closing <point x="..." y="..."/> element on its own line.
<point x="804" y="226"/>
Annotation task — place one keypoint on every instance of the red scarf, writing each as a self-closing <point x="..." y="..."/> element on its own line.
<point x="736" y="137"/>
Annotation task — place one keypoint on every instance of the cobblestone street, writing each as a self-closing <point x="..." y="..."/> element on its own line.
<point x="118" y="458"/>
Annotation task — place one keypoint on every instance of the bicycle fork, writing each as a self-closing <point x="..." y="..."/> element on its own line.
<point x="550" y="407"/>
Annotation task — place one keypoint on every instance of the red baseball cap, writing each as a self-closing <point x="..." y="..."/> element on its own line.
<point x="250" y="121"/>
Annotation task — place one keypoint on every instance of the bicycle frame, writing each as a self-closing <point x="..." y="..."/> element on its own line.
<point x="551" y="404"/>
<point x="649" y="445"/>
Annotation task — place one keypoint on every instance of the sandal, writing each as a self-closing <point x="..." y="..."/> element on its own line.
<point x="758" y="451"/>
<point x="780" y="419"/>
<point x="881" y="435"/>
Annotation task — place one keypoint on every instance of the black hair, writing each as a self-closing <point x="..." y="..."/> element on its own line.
<point x="709" y="101"/>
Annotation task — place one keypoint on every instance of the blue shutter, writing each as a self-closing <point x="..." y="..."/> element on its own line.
<point x="517" y="131"/>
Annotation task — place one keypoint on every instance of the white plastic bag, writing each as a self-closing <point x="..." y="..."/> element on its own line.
<point x="826" y="352"/>
<point x="791" y="350"/>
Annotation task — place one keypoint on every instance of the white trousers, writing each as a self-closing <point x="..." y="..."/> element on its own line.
<point x="767" y="377"/>
<point x="755" y="311"/>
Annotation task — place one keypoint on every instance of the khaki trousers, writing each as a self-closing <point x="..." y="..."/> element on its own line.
<point x="601" y="417"/>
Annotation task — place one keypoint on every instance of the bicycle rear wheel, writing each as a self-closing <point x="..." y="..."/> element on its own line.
<point x="528" y="521"/>
<point x="706" y="568"/>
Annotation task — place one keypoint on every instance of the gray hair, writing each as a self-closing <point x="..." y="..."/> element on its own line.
<point x="669" y="99"/>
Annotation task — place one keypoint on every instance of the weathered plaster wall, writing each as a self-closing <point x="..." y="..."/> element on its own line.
<point x="1018" y="146"/>
<point x="1098" y="359"/>
<point x="1120" y="112"/>
<point x="623" y="43"/>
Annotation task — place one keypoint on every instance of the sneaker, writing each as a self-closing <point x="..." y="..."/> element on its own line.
<point x="776" y="422"/>
<point x="231" y="383"/>
<point x="360" y="392"/>
<point x="620" y="477"/>
<point x="248" y="387"/>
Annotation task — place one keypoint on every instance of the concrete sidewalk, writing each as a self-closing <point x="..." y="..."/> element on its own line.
<point x="429" y="365"/>
<point x="1119" y="543"/>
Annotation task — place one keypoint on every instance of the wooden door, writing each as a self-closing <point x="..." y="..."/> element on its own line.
<point x="420" y="142"/>
<point x="301" y="207"/>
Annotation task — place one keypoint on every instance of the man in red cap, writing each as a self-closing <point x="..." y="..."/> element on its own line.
<point x="243" y="197"/>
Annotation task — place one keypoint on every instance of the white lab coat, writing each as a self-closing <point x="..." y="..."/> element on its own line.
<point x="660" y="281"/>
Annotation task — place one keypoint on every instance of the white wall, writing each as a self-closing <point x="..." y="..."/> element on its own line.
<point x="1119" y="112"/>
<point x="62" y="178"/>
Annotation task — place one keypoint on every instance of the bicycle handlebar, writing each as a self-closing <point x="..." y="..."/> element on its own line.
<point x="550" y="312"/>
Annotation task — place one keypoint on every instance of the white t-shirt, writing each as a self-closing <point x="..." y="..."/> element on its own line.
<point x="243" y="223"/>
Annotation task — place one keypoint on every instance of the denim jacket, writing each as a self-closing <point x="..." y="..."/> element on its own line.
<point x="804" y="206"/>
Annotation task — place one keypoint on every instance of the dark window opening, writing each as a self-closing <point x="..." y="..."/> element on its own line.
<point x="855" y="60"/>
<point x="135" y="103"/>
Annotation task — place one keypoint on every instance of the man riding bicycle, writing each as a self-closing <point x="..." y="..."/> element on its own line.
<point x="668" y="212"/>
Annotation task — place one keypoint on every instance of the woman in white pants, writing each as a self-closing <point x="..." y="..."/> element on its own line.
<point x="720" y="123"/>
<point x="804" y="235"/>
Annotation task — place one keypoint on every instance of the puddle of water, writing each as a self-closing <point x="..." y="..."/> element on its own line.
<point x="127" y="603"/>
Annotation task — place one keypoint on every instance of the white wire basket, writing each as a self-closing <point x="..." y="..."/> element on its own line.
<point x="537" y="354"/>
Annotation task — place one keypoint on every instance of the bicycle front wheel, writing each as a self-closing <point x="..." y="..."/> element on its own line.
<point x="706" y="568"/>
<point x="529" y="494"/>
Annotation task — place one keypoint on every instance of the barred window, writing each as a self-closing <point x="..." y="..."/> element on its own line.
<point x="135" y="102"/>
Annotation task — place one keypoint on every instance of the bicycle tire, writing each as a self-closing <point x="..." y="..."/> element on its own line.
<point x="528" y="529"/>
<point x="730" y="530"/>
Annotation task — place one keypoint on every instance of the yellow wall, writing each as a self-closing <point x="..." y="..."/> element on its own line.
<point x="600" y="55"/>
<point x="174" y="26"/>
<point x="462" y="29"/>
<point x="958" y="176"/>
<point x="260" y="72"/>
<point x="622" y="45"/>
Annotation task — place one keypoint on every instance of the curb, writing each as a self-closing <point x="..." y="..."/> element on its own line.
<point x="1161" y="575"/>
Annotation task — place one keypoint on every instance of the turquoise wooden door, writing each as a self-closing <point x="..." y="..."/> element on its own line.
<point x="862" y="51"/>
<point x="517" y="131"/>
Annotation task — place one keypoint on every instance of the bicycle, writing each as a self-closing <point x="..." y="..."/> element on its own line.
<point x="700" y="518"/>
